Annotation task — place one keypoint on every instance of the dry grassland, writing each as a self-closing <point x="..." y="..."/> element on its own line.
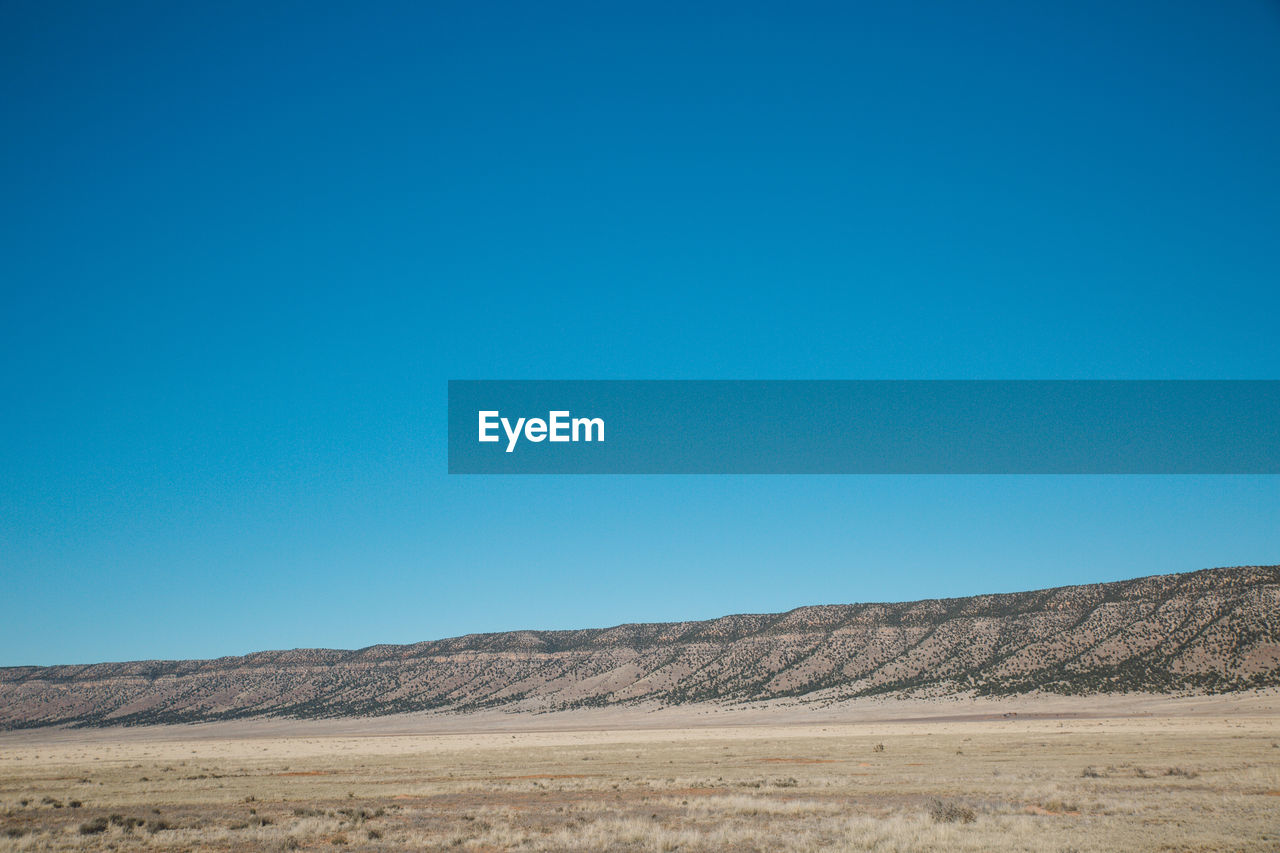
<point x="1133" y="784"/>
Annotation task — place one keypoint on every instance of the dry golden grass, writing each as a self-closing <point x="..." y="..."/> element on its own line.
<point x="1174" y="783"/>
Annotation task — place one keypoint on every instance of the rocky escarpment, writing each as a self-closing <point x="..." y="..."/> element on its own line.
<point x="1217" y="629"/>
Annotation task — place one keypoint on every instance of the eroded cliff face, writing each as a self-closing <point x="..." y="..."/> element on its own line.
<point x="1217" y="629"/>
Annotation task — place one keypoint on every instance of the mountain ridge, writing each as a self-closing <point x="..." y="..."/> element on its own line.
<point x="1212" y="629"/>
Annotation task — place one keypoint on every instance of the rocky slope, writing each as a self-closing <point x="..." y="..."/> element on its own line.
<point x="1217" y="629"/>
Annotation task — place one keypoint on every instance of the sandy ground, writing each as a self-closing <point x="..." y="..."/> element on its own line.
<point x="1035" y="773"/>
<point x="1261" y="704"/>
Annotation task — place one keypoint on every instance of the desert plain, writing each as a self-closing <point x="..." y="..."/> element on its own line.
<point x="1132" y="772"/>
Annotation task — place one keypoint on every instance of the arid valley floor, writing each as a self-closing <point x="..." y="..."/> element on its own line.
<point x="1195" y="773"/>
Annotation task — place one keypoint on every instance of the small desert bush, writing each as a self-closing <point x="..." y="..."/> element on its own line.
<point x="94" y="827"/>
<point x="128" y="823"/>
<point x="947" y="811"/>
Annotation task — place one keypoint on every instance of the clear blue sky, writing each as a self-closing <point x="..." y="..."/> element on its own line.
<point x="243" y="246"/>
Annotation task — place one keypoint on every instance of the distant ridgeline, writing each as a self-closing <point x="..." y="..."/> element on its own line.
<point x="1213" y="630"/>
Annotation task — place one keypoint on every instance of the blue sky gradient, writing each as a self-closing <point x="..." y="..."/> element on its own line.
<point x="243" y="247"/>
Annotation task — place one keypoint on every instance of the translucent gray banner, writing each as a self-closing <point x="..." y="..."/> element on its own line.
<point x="864" y="427"/>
